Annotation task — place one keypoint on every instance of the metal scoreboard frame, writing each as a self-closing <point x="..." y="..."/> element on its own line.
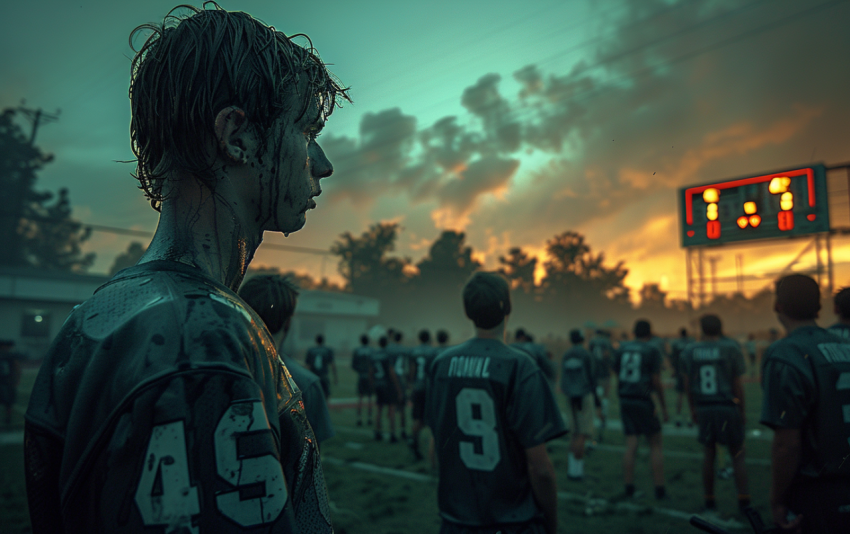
<point x="786" y="203"/>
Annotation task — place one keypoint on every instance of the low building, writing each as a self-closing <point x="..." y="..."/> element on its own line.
<point x="34" y="304"/>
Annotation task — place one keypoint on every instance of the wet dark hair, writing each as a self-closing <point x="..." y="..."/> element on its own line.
<point x="842" y="302"/>
<point x="397" y="336"/>
<point x="273" y="297"/>
<point x="487" y="299"/>
<point x="424" y="336"/>
<point x="799" y="296"/>
<point x="642" y="328"/>
<point x="320" y="339"/>
<point x="193" y="66"/>
<point x="442" y="336"/>
<point x="711" y="325"/>
<point x="576" y="337"/>
<point x="383" y="341"/>
<point x="683" y="332"/>
<point x="520" y="334"/>
<point x="364" y="339"/>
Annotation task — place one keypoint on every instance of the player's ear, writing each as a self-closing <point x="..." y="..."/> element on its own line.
<point x="233" y="135"/>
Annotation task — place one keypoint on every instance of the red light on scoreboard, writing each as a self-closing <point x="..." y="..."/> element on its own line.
<point x="755" y="220"/>
<point x="712" y="229"/>
<point x="691" y="233"/>
<point x="786" y="220"/>
<point x="811" y="216"/>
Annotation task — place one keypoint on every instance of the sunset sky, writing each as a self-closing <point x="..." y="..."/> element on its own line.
<point x="511" y="121"/>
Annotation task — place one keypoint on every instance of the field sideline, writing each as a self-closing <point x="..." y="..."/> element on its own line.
<point x="377" y="487"/>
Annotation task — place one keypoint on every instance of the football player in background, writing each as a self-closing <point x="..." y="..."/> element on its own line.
<point x="420" y="361"/>
<point x="10" y="377"/>
<point x="151" y="385"/>
<point x="320" y="361"/>
<point x="400" y="358"/>
<point x="712" y="370"/>
<point x="637" y="365"/>
<point x="525" y="342"/>
<point x="578" y="383"/>
<point x="676" y="348"/>
<point x="442" y="340"/>
<point x="841" y="306"/>
<point x="806" y="388"/>
<point x="603" y="352"/>
<point x="491" y="413"/>
<point x="274" y="298"/>
<point x="361" y="359"/>
<point x="387" y="388"/>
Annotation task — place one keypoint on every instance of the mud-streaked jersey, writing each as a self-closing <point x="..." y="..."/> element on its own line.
<point x="319" y="359"/>
<point x="315" y="403"/>
<point x="634" y="364"/>
<point x="486" y="404"/>
<point x="578" y="377"/>
<point x="806" y="385"/>
<point x="381" y="364"/>
<point x="603" y="352"/>
<point x="361" y="361"/>
<point x="400" y="358"/>
<point x="841" y="329"/>
<point x="421" y="358"/>
<point x="676" y="347"/>
<point x="711" y="368"/>
<point x="162" y="405"/>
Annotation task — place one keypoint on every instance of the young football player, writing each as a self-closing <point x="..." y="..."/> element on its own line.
<point x="360" y="362"/>
<point x="387" y="388"/>
<point x="320" y="360"/>
<point x="578" y="383"/>
<point x="676" y="348"/>
<point x="274" y="298"/>
<point x="420" y="360"/>
<point x="148" y="396"/>
<point x="603" y="352"/>
<point x="711" y="369"/>
<point x="491" y="412"/>
<point x="637" y="365"/>
<point x="806" y="388"/>
<point x="400" y="356"/>
<point x="841" y="306"/>
<point x="525" y="342"/>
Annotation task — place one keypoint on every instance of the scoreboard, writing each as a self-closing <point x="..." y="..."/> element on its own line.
<point x="787" y="203"/>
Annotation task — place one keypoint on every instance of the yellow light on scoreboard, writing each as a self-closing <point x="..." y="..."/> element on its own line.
<point x="779" y="184"/>
<point x="755" y="220"/>
<point x="711" y="212"/>
<point x="743" y="222"/>
<point x="711" y="195"/>
<point x="750" y="208"/>
<point x="786" y="201"/>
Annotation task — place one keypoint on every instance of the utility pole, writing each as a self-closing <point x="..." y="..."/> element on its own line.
<point x="713" y="261"/>
<point x="37" y="117"/>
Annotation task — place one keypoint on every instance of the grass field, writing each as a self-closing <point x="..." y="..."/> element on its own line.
<point x="377" y="487"/>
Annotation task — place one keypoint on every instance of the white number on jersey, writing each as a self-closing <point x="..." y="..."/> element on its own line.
<point x="420" y="368"/>
<point x="247" y="418"/>
<point x="485" y="428"/>
<point x="317" y="362"/>
<point x="177" y="501"/>
<point x="708" y="380"/>
<point x="630" y="367"/>
<point x="379" y="370"/>
<point x="399" y="366"/>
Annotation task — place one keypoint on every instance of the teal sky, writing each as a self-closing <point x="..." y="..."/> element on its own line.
<point x="620" y="103"/>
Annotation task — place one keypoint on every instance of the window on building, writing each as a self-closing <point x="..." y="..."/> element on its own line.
<point x="35" y="324"/>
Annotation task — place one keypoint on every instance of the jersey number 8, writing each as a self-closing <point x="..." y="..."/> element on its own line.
<point x="483" y="427"/>
<point x="176" y="501"/>
<point x="708" y="380"/>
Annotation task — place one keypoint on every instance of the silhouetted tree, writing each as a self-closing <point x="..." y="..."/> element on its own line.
<point x="128" y="258"/>
<point x="364" y="264"/>
<point x="33" y="231"/>
<point x="518" y="267"/>
<point x="449" y="263"/>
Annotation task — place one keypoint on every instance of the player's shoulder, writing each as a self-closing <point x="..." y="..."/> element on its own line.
<point x="302" y="376"/>
<point x="793" y="348"/>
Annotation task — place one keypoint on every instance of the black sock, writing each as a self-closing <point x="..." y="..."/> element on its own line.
<point x="630" y="490"/>
<point x="660" y="492"/>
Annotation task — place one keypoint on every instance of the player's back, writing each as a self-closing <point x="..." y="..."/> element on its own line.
<point x="422" y="357"/>
<point x="361" y="361"/>
<point x="318" y="359"/>
<point x="602" y="350"/>
<point x="381" y="364"/>
<point x="144" y="394"/>
<point x="399" y="356"/>
<point x="486" y="404"/>
<point x="711" y="368"/>
<point x="635" y="363"/>
<point x="577" y="373"/>
<point x="840" y="329"/>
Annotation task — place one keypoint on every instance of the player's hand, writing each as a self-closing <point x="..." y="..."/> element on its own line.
<point x="780" y="517"/>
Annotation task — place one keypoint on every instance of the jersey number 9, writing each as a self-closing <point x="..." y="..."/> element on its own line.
<point x="483" y="428"/>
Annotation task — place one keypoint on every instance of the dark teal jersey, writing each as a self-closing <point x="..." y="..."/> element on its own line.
<point x="145" y="406"/>
<point x="711" y="368"/>
<point x="381" y="364"/>
<point x="538" y="352"/>
<point x="841" y="329"/>
<point x="634" y="364"/>
<point x="315" y="403"/>
<point x="420" y="359"/>
<point x="319" y="360"/>
<point x="676" y="348"/>
<point x="487" y="403"/>
<point x="603" y="352"/>
<point x="806" y="386"/>
<point x="400" y="357"/>
<point x="361" y="361"/>
<point x="578" y="376"/>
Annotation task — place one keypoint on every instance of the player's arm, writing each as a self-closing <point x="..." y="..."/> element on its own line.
<point x="42" y="453"/>
<point x="784" y="462"/>
<point x="541" y="473"/>
<point x="659" y="391"/>
<point x="738" y="392"/>
<point x="395" y="381"/>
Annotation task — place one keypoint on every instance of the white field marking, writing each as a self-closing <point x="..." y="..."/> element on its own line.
<point x="565" y="443"/>
<point x="563" y="495"/>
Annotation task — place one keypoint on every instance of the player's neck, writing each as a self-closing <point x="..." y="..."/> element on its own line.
<point x="497" y="333"/>
<point x="710" y="338"/>
<point x="793" y="324"/>
<point x="203" y="230"/>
